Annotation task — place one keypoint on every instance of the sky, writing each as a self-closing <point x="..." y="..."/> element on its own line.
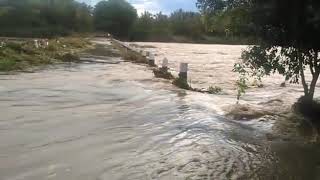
<point x="155" y="6"/>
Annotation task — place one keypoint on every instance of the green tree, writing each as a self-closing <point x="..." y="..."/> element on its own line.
<point x="290" y="41"/>
<point x="43" y="17"/>
<point x="143" y="26"/>
<point x="186" y="23"/>
<point x="226" y="17"/>
<point x="115" y="16"/>
<point x="160" y="27"/>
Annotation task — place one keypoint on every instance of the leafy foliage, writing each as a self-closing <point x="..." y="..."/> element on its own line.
<point x="226" y="17"/>
<point x="43" y="18"/>
<point x="114" y="16"/>
<point x="186" y="23"/>
<point x="51" y="18"/>
<point x="160" y="27"/>
<point x="242" y="81"/>
<point x="290" y="43"/>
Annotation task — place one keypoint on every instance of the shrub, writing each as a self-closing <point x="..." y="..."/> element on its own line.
<point x="308" y="108"/>
<point x="214" y="90"/>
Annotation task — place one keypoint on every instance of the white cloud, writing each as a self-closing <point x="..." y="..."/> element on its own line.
<point x="155" y="6"/>
<point x="152" y="6"/>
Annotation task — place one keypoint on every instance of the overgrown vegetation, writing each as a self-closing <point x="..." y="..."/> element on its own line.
<point x="20" y="55"/>
<point x="162" y="73"/>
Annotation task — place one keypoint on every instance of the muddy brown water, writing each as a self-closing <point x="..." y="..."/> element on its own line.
<point x="115" y="121"/>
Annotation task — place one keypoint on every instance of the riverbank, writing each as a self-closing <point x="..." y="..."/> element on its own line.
<point x="18" y="54"/>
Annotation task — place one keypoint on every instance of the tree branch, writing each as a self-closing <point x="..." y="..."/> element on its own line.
<point x="316" y="60"/>
<point x="312" y="62"/>
<point x="313" y="84"/>
<point x="311" y="67"/>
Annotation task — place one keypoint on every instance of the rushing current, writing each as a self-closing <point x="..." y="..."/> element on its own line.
<point x="115" y="121"/>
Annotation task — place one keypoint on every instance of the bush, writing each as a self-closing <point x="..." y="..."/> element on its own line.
<point x="214" y="90"/>
<point x="308" y="108"/>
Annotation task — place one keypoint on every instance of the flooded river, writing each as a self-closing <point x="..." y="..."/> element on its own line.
<point x="115" y="121"/>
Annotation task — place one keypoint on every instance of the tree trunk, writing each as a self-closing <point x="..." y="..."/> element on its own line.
<point x="315" y="71"/>
<point x="313" y="84"/>
<point x="303" y="79"/>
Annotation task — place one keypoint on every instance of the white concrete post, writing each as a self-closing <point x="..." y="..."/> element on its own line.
<point x="144" y="53"/>
<point x="183" y="73"/>
<point x="151" y="59"/>
<point x="36" y="44"/>
<point x="165" y="63"/>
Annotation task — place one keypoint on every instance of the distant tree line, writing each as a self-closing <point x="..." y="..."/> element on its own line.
<point x="118" y="17"/>
<point x="44" y="17"/>
<point x="160" y="27"/>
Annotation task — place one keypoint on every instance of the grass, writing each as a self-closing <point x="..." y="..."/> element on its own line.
<point x="7" y="64"/>
<point x="23" y="54"/>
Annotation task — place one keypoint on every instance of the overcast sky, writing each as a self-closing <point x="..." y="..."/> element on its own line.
<point x="154" y="6"/>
